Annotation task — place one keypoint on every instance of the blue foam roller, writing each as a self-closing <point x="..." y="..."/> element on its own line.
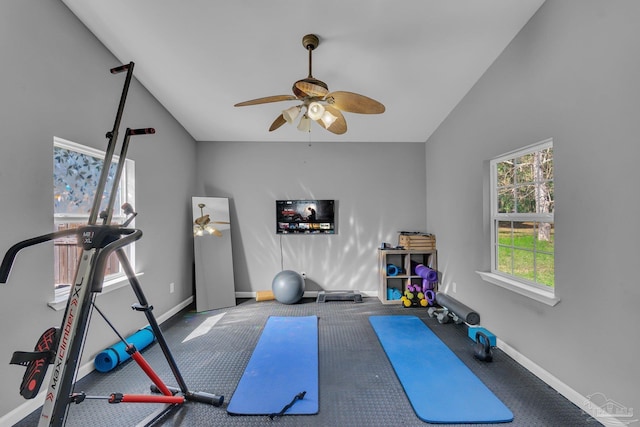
<point x="111" y="357"/>
<point x="392" y="270"/>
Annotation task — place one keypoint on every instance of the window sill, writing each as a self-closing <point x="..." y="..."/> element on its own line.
<point x="60" y="301"/>
<point x="539" y="295"/>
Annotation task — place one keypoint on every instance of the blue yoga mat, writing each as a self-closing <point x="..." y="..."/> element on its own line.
<point x="440" y="387"/>
<point x="284" y="363"/>
<point x="111" y="357"/>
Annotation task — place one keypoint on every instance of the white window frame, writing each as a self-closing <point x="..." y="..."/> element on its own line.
<point x="127" y="188"/>
<point x="516" y="284"/>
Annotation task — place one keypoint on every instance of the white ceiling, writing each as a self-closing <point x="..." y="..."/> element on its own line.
<point x="200" y="57"/>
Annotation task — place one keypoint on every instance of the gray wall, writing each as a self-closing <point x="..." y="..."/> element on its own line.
<point x="379" y="189"/>
<point x="55" y="81"/>
<point x="571" y="74"/>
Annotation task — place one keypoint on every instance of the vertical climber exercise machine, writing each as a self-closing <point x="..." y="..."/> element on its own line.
<point x="63" y="347"/>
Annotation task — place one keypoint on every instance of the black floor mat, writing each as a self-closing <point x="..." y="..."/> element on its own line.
<point x="358" y="386"/>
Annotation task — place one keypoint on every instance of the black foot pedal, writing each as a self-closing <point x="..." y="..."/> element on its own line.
<point x="37" y="362"/>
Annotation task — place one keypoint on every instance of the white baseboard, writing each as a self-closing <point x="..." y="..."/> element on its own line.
<point x="32" y="404"/>
<point x="245" y="294"/>
<point x="573" y="396"/>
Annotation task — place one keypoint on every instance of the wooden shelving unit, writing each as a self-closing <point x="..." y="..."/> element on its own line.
<point x="405" y="261"/>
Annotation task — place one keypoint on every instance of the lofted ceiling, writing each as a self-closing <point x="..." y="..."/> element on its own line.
<point x="200" y="57"/>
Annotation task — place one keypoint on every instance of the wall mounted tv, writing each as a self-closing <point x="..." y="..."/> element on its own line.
<point x="305" y="217"/>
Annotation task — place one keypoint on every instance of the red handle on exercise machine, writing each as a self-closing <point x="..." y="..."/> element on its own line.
<point x="144" y="398"/>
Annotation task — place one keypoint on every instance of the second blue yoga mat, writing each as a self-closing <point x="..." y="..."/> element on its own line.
<point x="440" y="387"/>
<point x="284" y="363"/>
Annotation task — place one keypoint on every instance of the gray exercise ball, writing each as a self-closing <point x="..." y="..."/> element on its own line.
<point x="288" y="287"/>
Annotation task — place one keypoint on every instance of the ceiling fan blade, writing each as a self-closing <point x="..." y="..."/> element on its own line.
<point x="310" y="89"/>
<point x="279" y="121"/>
<point x="220" y="222"/>
<point x="339" y="126"/>
<point x="266" y="99"/>
<point x="217" y="232"/>
<point x="354" y="103"/>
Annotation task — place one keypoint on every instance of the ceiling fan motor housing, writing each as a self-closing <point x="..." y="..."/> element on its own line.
<point x="300" y="94"/>
<point x="310" y="41"/>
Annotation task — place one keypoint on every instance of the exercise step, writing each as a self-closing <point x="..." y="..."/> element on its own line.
<point x="324" y="296"/>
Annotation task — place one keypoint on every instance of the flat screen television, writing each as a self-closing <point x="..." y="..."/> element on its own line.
<point x="305" y="217"/>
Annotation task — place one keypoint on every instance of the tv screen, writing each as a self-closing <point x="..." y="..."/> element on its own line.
<point x="305" y="217"/>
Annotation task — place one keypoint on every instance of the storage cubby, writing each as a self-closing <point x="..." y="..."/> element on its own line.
<point x="403" y="273"/>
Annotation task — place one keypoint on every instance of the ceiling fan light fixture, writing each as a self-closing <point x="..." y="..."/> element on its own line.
<point x="202" y="224"/>
<point x="315" y="110"/>
<point x="305" y="124"/>
<point x="328" y="118"/>
<point x="290" y="114"/>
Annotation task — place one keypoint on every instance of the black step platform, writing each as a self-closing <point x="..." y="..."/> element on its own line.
<point x="324" y="296"/>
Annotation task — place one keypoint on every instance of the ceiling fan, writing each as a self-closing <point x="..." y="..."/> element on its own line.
<point x="203" y="224"/>
<point x="318" y="104"/>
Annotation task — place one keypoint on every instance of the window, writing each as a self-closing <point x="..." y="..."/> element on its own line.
<point x="522" y="225"/>
<point x="76" y="171"/>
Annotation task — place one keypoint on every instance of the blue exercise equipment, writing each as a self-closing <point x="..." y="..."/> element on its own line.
<point x="111" y="357"/>
<point x="393" y="270"/>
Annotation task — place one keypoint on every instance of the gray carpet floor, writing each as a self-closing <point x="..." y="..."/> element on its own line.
<point x="358" y="386"/>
